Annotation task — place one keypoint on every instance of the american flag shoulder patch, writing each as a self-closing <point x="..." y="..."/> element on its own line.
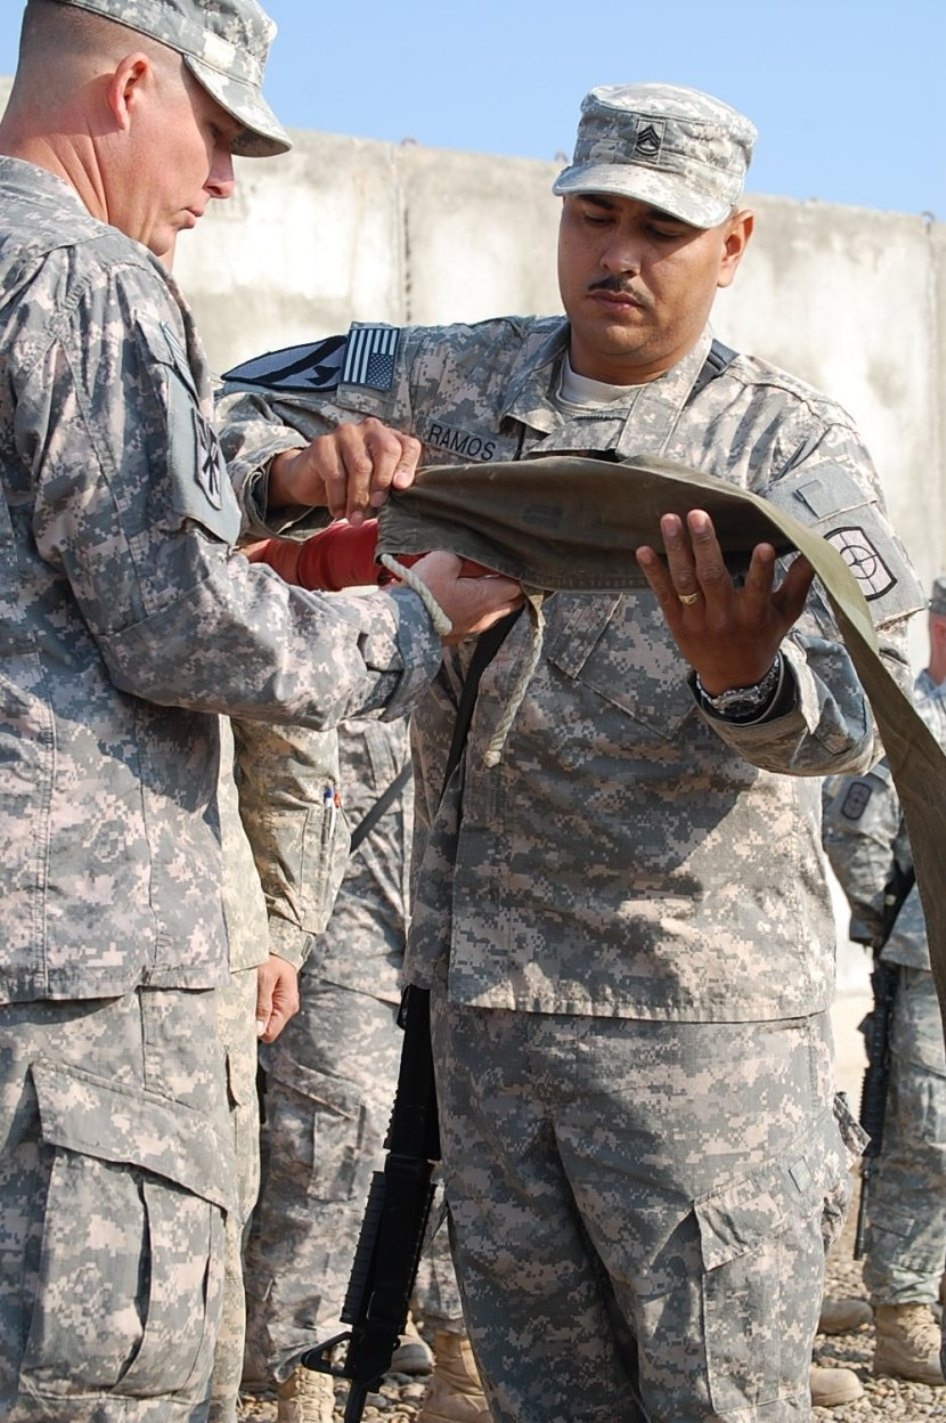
<point x="370" y="356"/>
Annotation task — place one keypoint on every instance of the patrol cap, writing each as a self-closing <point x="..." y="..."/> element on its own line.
<point x="676" y="149"/>
<point x="938" y="596"/>
<point x="225" y="44"/>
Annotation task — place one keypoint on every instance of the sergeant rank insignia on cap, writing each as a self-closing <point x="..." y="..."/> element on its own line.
<point x="364" y="357"/>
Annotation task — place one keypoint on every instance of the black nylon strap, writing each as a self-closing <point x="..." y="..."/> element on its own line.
<point x="488" y="644"/>
<point x="384" y="802"/>
<point x="717" y="360"/>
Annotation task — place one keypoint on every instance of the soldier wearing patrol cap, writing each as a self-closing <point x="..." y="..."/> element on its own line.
<point x="224" y="45"/>
<point x="128" y="625"/>
<point x="625" y="923"/>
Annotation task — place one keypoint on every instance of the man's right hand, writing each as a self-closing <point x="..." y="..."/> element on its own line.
<point x="348" y="472"/>
<point x="471" y="604"/>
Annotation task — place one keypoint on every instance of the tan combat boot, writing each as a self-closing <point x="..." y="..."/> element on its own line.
<point x="413" y="1354"/>
<point x="829" y="1387"/>
<point x="305" y="1397"/>
<point x="842" y="1316"/>
<point x="455" y="1394"/>
<point x="907" y="1343"/>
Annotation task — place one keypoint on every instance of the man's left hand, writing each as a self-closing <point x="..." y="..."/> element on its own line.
<point x="729" y="634"/>
<point x="277" y="997"/>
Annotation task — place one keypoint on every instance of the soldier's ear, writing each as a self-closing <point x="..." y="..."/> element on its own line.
<point x="127" y="86"/>
<point x="737" y="231"/>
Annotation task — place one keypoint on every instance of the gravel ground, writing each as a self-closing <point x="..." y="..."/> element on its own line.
<point x="884" y="1400"/>
<point x="398" y="1402"/>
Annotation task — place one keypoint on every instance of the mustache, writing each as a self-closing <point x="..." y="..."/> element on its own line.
<point x="622" y="287"/>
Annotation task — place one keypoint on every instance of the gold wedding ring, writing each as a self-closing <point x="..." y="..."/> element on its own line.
<point x="689" y="598"/>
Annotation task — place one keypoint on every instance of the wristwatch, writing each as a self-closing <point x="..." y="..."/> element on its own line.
<point x="745" y="703"/>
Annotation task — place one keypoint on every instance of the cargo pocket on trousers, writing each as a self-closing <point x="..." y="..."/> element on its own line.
<point x="763" y="1267"/>
<point x="130" y="1260"/>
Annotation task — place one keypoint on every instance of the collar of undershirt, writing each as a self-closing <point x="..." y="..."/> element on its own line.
<point x="579" y="392"/>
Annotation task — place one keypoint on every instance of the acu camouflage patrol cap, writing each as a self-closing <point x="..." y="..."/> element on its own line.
<point x="938" y="596"/>
<point x="676" y="149"/>
<point x="225" y="44"/>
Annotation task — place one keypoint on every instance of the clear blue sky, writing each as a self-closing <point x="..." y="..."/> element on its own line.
<point x="847" y="94"/>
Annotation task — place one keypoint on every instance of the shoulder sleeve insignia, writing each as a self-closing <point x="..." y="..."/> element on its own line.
<point x="864" y="559"/>
<point x="211" y="468"/>
<point x="311" y="367"/>
<point x="370" y="355"/>
<point x="855" y="801"/>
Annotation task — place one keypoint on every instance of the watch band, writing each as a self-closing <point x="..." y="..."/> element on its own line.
<point x="744" y="703"/>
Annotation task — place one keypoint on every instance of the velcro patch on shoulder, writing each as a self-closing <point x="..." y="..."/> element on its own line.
<point x="856" y="800"/>
<point x="316" y="366"/>
<point x="370" y="355"/>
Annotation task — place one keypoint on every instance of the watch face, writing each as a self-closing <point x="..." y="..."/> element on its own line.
<point x="731" y="702"/>
<point x="746" y="701"/>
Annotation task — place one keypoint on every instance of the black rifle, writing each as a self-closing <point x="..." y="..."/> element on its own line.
<point x="884" y="980"/>
<point x="395" y="1220"/>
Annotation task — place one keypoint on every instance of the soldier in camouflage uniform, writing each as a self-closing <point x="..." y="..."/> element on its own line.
<point x="329" y="1086"/>
<point x="625" y="923"/>
<point x="128" y="625"/>
<point x="273" y="784"/>
<point x="866" y="840"/>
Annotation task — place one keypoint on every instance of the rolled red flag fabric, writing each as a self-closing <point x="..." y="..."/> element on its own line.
<point x="342" y="555"/>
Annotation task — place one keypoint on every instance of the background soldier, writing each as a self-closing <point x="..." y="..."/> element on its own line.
<point x="329" y="1086"/>
<point x="277" y="787"/>
<point x="867" y="844"/>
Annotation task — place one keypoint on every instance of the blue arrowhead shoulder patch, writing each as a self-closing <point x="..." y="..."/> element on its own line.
<point x="312" y="367"/>
<point x="365" y="357"/>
